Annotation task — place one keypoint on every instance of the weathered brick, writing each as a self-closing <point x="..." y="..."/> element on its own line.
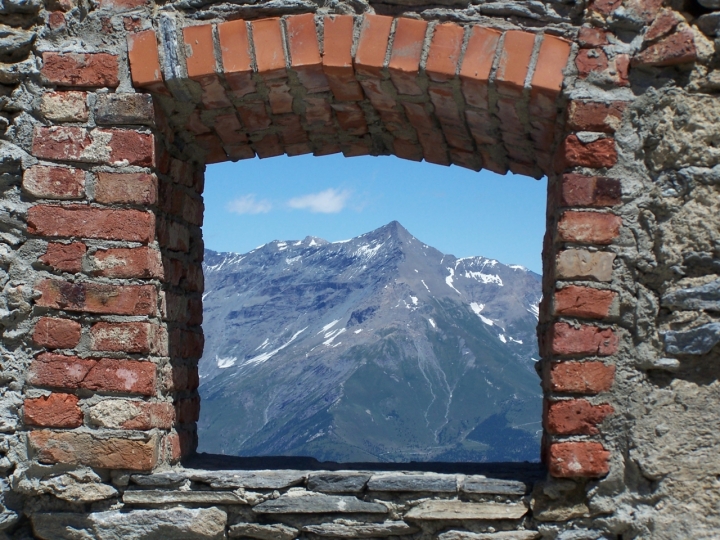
<point x="581" y="264"/>
<point x="65" y="143"/>
<point x="55" y="333"/>
<point x="97" y="297"/>
<point x="93" y="450"/>
<point x="595" y="116"/>
<point x="185" y="344"/>
<point x="589" y="37"/>
<point x="372" y="44"/>
<point x="574" y="417"/>
<point x="201" y="65"/>
<point x="129" y="337"/>
<point x="68" y="106"/>
<point x="665" y="23"/>
<point x="58" y="371"/>
<point x="115" y="109"/>
<point x="588" y="61"/>
<point x="604" y="7"/>
<point x="304" y="51"/>
<point x="578" y="460"/>
<point x="145" y="61"/>
<point x="56" y="410"/>
<point x="180" y="444"/>
<point x="126" y="414"/>
<point x="597" y="191"/>
<point x="405" y="55"/>
<point x="121" y="5"/>
<point x="586" y="302"/>
<point x="86" y="222"/>
<point x="64" y="257"/>
<point x="54" y="182"/>
<point x="678" y="48"/>
<point x="126" y="188"/>
<point x="142" y="262"/>
<point x="588" y="227"/>
<point x="579" y="377"/>
<point x="125" y="376"/>
<point x="565" y="340"/>
<point x="598" y="154"/>
<point x="81" y="70"/>
<point x="179" y="378"/>
<point x="187" y="410"/>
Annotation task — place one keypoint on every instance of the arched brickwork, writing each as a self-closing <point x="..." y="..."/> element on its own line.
<point x="105" y="280"/>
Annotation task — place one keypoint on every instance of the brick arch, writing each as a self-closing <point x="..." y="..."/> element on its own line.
<point x="472" y="96"/>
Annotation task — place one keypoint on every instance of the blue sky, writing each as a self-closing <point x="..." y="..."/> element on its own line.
<point x="455" y="210"/>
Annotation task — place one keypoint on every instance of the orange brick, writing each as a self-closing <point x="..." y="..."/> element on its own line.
<point x="269" y="49"/>
<point x="574" y="301"/>
<point x="405" y="55"/>
<point x="55" y="333"/>
<point x="578" y="460"/>
<point x="514" y="62"/>
<point x="305" y="52"/>
<point x="476" y="65"/>
<point x="548" y="76"/>
<point x="444" y="54"/>
<point x="145" y="61"/>
<point x="579" y="377"/>
<point x="235" y="51"/>
<point x="56" y="410"/>
<point x="337" y="57"/>
<point x="200" y="54"/>
<point x="373" y="44"/>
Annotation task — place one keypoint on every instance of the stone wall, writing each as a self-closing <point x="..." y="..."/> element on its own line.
<point x="109" y="111"/>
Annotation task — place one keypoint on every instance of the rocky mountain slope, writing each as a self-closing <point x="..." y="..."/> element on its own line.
<point x="378" y="348"/>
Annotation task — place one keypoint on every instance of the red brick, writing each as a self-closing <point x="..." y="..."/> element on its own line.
<point x="595" y="116"/>
<point x="211" y="144"/>
<point x="56" y="410"/>
<point x="54" y="182"/>
<point x="254" y="115"/>
<point x="444" y="54"/>
<point x="125" y="376"/>
<point x="573" y="301"/>
<point x="141" y="262"/>
<point x="64" y="257"/>
<point x="305" y="52"/>
<point x="514" y="62"/>
<point x="59" y="371"/>
<point x="598" y="154"/>
<point x="337" y="59"/>
<point x="109" y="146"/>
<point x="126" y="188"/>
<point x="645" y="10"/>
<point x="64" y="106"/>
<point x="279" y="97"/>
<point x="662" y="25"/>
<point x="187" y="410"/>
<point x="185" y="344"/>
<point x="268" y="146"/>
<point x="180" y="444"/>
<point x="228" y="127"/>
<point x="590" y="60"/>
<point x="56" y="20"/>
<point x="87" y="449"/>
<point x="476" y="65"/>
<point x="584" y="340"/>
<point x="201" y="65"/>
<point x="580" y="377"/>
<point x="82" y="70"/>
<point x="548" y="76"/>
<point x="579" y="190"/>
<point x="678" y="48"/>
<point x="130" y="337"/>
<point x="235" y="52"/>
<point x="588" y="227"/>
<point x="269" y="49"/>
<point x="578" y="460"/>
<point x="574" y="417"/>
<point x="405" y="55"/>
<point x="351" y="118"/>
<point x="181" y="378"/>
<point x="98" y="298"/>
<point x="87" y="222"/>
<point x="151" y="415"/>
<point x="372" y="44"/>
<point x="55" y="333"/>
<point x="407" y="150"/>
<point x="121" y="5"/>
<point x="589" y="37"/>
<point x="604" y="7"/>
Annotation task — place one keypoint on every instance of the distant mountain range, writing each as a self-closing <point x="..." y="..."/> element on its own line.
<point x="378" y="348"/>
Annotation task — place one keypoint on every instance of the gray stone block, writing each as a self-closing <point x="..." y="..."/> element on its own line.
<point x="492" y="486"/>
<point x="438" y="483"/>
<point x="338" y="482"/>
<point x="303" y="502"/>
<point x="702" y="297"/>
<point x="262" y="532"/>
<point x="249" y="479"/>
<point x="151" y="497"/>
<point x="168" y="479"/>
<point x="175" y="523"/>
<point x="362" y="530"/>
<point x="503" y="535"/>
<point x="699" y="340"/>
<point x="453" y="510"/>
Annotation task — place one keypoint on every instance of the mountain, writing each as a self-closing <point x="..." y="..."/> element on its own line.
<point x="378" y="348"/>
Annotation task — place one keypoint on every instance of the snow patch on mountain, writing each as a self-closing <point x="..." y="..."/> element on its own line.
<point x="264" y="357"/>
<point x="449" y="280"/>
<point x="477" y="308"/>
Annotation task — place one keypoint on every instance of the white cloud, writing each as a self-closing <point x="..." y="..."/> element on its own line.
<point x="330" y="201"/>
<point x="247" y="204"/>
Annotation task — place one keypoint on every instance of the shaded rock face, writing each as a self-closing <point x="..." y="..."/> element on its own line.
<point x="379" y="348"/>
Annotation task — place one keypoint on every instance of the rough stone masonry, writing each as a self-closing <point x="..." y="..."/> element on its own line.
<point x="109" y="111"/>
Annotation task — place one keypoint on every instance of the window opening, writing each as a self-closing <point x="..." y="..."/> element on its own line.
<point x="351" y="333"/>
